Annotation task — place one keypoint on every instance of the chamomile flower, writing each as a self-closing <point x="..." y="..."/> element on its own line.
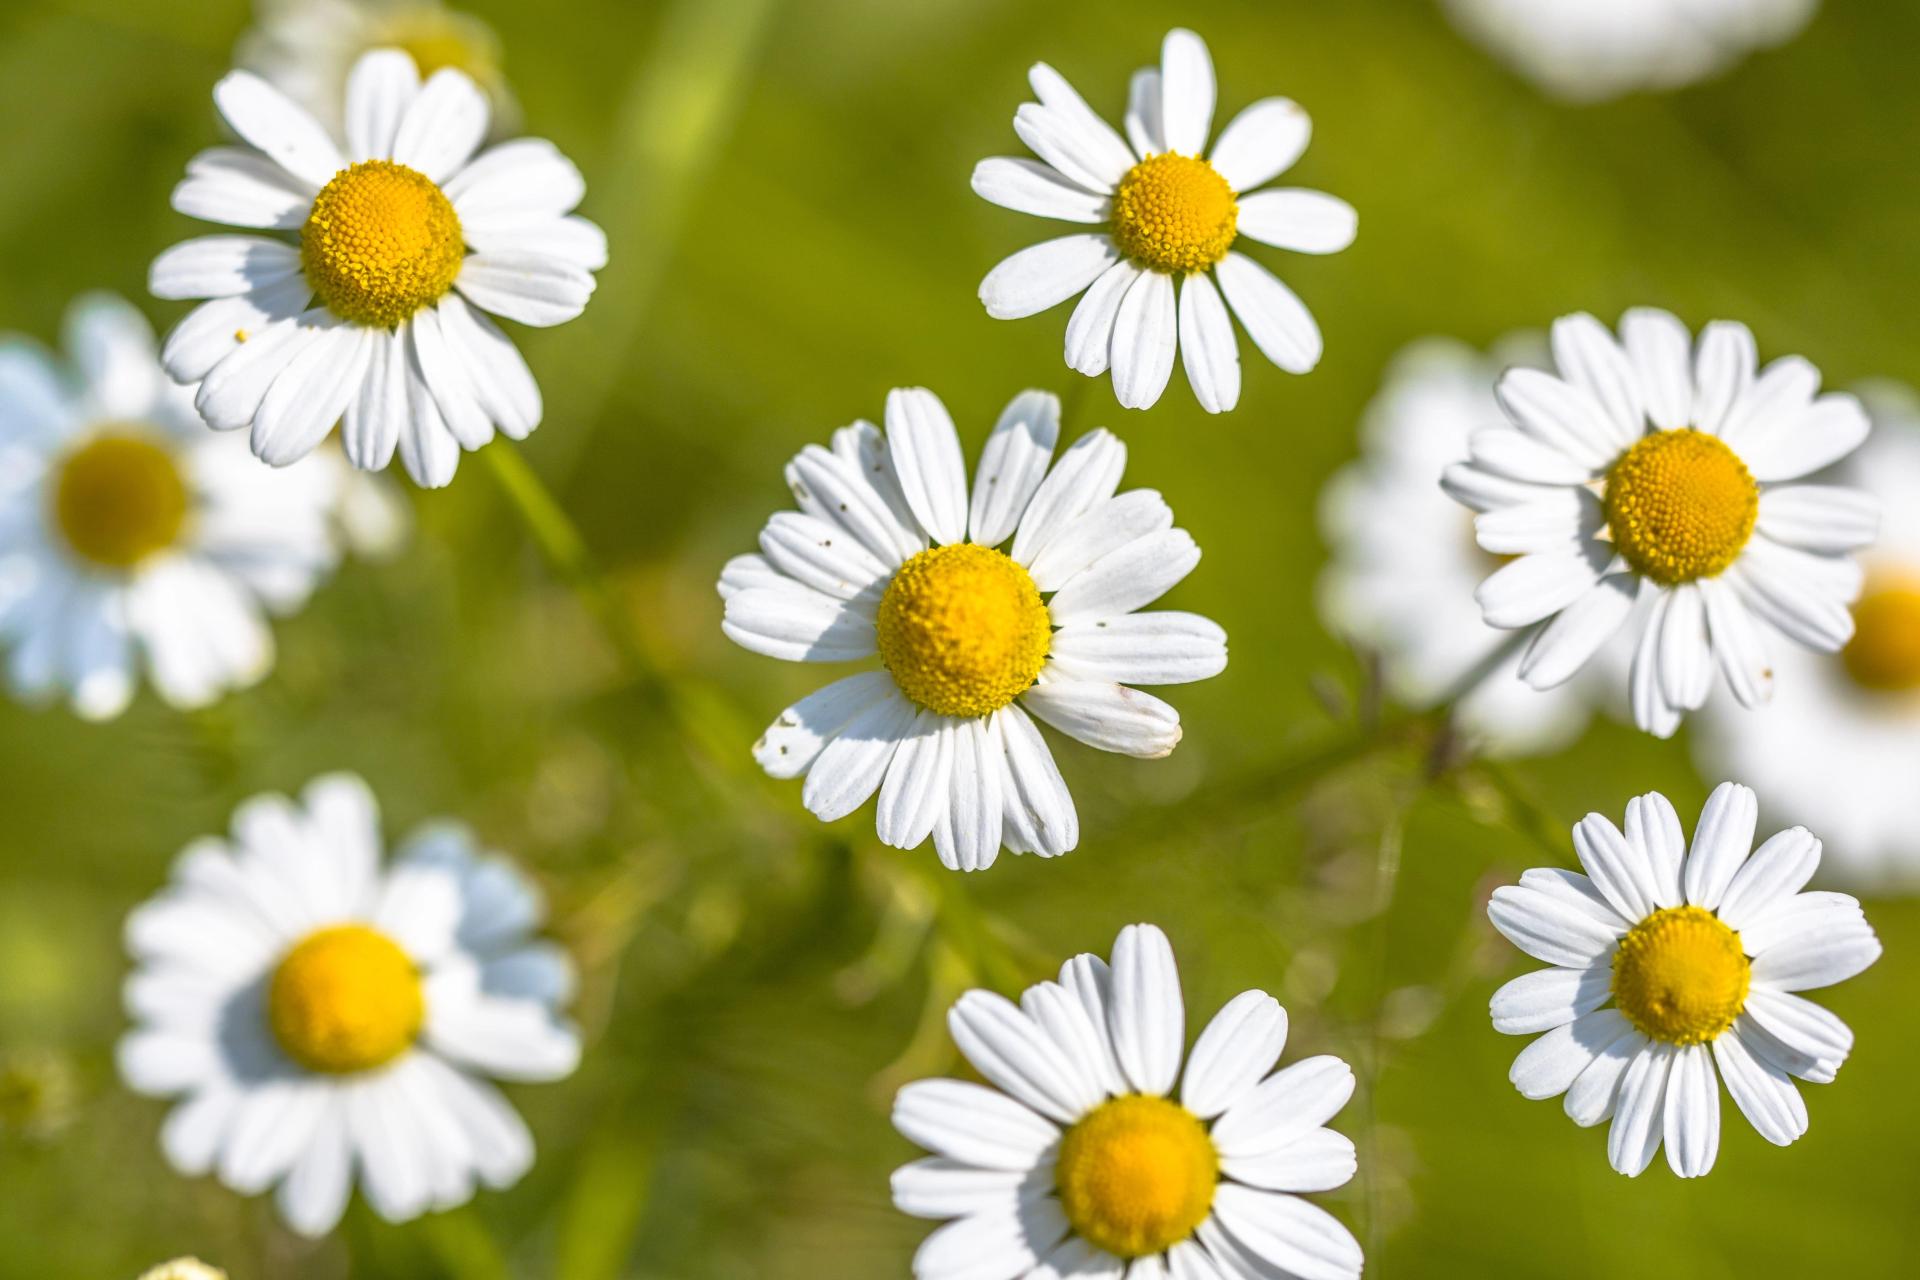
<point x="1169" y="214"/>
<point x="888" y="555"/>
<point x="322" y="1017"/>
<point x="1078" y="1158"/>
<point x="1405" y="562"/>
<point x="133" y="540"/>
<point x="1677" y="968"/>
<point x="1839" y="745"/>
<point x="184" y="1269"/>
<point x="1590" y="49"/>
<point x="1643" y="471"/>
<point x="369" y="309"/>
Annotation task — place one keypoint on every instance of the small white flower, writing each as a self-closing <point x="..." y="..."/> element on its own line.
<point x="1585" y="50"/>
<point x="184" y="1269"/>
<point x="370" y="310"/>
<point x="972" y="638"/>
<point x="1082" y="1161"/>
<point x="1671" y="962"/>
<point x="1166" y="214"/>
<point x="130" y="537"/>
<point x="1839" y="745"/>
<point x="1405" y="562"/>
<point x="1646" y="471"/>
<point x="320" y="1016"/>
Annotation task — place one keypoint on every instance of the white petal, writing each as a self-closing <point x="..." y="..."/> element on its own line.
<point x="1166" y="647"/>
<point x="1318" y="1160"/>
<point x="972" y="1125"/>
<point x="1146" y="332"/>
<point x="1797" y="918"/>
<point x="1045" y="275"/>
<point x="1107" y="527"/>
<point x="1011" y="1051"/>
<point x="1002" y="1245"/>
<point x="1147" y="1015"/>
<point x="1563" y="416"/>
<point x="1109" y="717"/>
<point x="308" y="398"/>
<point x="1841" y="950"/>
<point x="229" y="398"/>
<point x="1548" y="998"/>
<point x="1595" y="1092"/>
<point x="1208" y="348"/>
<point x="1686" y="659"/>
<point x="271" y="121"/>
<point x="380" y="89"/>
<point x="1804" y="442"/>
<point x="833" y="489"/>
<point x="1537" y="586"/>
<point x="220" y="266"/>
<point x="518" y="183"/>
<point x="214" y="330"/>
<point x="427" y="447"/>
<point x="1087" y="474"/>
<point x="1548" y="1066"/>
<point x="1765" y="1094"/>
<point x="1660" y="348"/>
<point x="242" y="188"/>
<point x="1561" y="648"/>
<point x="1778" y="869"/>
<point x="1298" y="219"/>
<point x="315" y="1192"/>
<point x="1723" y="370"/>
<point x="1277" y="321"/>
<point x="1234" y="1052"/>
<point x="1804" y="595"/>
<point x="1692" y="1113"/>
<point x="1143" y="113"/>
<point x="851" y="766"/>
<point x="1737" y="643"/>
<point x="1651" y="710"/>
<point x="1131" y="576"/>
<point x="1031" y="186"/>
<point x="967" y="836"/>
<point x="1288" y="1233"/>
<point x="528" y="287"/>
<point x="443" y="126"/>
<point x="1287" y="1105"/>
<point x="935" y="1187"/>
<point x="509" y="1039"/>
<point x="1518" y="456"/>
<point x="1090" y="327"/>
<point x="1012" y="465"/>
<point x="1084" y="149"/>
<point x="1721" y="843"/>
<point x="821" y="556"/>
<point x="370" y="429"/>
<point x="1261" y="143"/>
<point x="926" y="456"/>
<point x="1095" y="136"/>
<point x="1037" y="808"/>
<point x="1587" y="356"/>
<point x="797" y="627"/>
<point x="1653" y="829"/>
<point x="1186" y="92"/>
<point x="496" y="374"/>
<point x="1548" y="929"/>
<point x="572" y="240"/>
<point x="1086" y="1046"/>
<point x="1795" y="1035"/>
<point x="1818" y="517"/>
<point x="914" y="793"/>
<point x="1638" y="1116"/>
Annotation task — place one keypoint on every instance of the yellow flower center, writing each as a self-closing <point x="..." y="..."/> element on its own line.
<point x="963" y="630"/>
<point x="382" y="242"/>
<point x="345" y="998"/>
<point x="434" y="39"/>
<point x="1136" y="1175"/>
<point x="119" y="498"/>
<point x="1681" y="976"/>
<point x="1884" y="654"/>
<point x="1174" y="213"/>
<point x="1680" y="505"/>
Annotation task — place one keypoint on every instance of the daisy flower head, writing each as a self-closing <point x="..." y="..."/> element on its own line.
<point x="1404" y="560"/>
<point x="888" y="555"/>
<point x="322" y="1017"/>
<point x="132" y="540"/>
<point x="371" y="307"/>
<point x="1168" y="213"/>
<point x="1676" y="968"/>
<point x="1647" y="480"/>
<point x="1080" y="1157"/>
<point x="184" y="1269"/>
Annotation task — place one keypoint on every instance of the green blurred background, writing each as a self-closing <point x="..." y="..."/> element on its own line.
<point x="785" y="187"/>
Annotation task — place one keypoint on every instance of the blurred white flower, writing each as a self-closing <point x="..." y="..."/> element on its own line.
<point x="1585" y="50"/>
<point x="1080" y="1160"/>
<point x="391" y="348"/>
<point x="1168" y="221"/>
<point x="888" y="555"/>
<point x="1643" y="471"/>
<point x="320" y="1015"/>
<point x="1670" y="962"/>
<point x="132" y="538"/>
<point x="184" y="1269"/>
<point x="1405" y="562"/>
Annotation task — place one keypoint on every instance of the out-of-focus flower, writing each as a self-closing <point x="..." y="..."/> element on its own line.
<point x="1405" y="562"/>
<point x="1839" y="745"/>
<point x="37" y="1094"/>
<point x="131" y="538"/>
<point x="888" y="555"/>
<point x="1670" y="962"/>
<point x="389" y="346"/>
<point x="1645" y="472"/>
<point x="1590" y="49"/>
<point x="1169" y="214"/>
<point x="184" y="1269"/>
<point x="1080" y="1161"/>
<point x="320" y="1015"/>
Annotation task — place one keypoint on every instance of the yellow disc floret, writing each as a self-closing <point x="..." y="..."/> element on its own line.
<point x="119" y="498"/>
<point x="1884" y="654"/>
<point x="382" y="242"/>
<point x="1174" y="213"/>
<point x="1681" y="976"/>
<point x="345" y="998"/>
<point x="1136" y="1175"/>
<point x="963" y="630"/>
<point x="1681" y="505"/>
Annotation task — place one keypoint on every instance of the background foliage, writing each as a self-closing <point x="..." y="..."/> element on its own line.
<point x="785" y="186"/>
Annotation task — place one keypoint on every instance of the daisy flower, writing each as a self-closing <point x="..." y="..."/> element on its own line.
<point x="322" y="1017"/>
<point x="1405" y="562"/>
<point x="132" y="539"/>
<point x="1839" y="745"/>
<point x="1078" y="1159"/>
<point x="1169" y="213"/>
<point x="1586" y="50"/>
<point x="1676" y="968"/>
<point x="369" y="310"/>
<point x="1644" y="472"/>
<point x="888" y="555"/>
<point x="184" y="1269"/>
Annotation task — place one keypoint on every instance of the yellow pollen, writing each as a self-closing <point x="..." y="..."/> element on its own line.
<point x="1884" y="654"/>
<point x="1174" y="213"/>
<point x="1681" y="976"/>
<point x="1681" y="505"/>
<point x="1136" y="1175"/>
<point x="382" y="242"/>
<point x="119" y="498"/>
<point x="346" y="998"/>
<point x="963" y="630"/>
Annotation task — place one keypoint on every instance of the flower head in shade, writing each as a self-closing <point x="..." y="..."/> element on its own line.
<point x="322" y="1018"/>
<point x="132" y="540"/>
<point x="368" y="302"/>
<point x="1169" y="214"/>
<point x="1649" y="472"/>
<point x="1091" y="1152"/>
<point x="889" y="556"/>
<point x="1676" y="968"/>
